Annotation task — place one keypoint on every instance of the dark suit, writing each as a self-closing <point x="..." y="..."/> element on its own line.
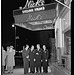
<point x="38" y="60"/>
<point x="25" y="60"/>
<point x="31" y="57"/>
<point x="44" y="58"/>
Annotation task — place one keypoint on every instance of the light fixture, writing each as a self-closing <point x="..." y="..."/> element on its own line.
<point x="20" y="7"/>
<point x="13" y="25"/>
<point x="40" y="22"/>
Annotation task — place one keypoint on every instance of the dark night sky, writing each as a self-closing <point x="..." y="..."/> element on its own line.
<point x="7" y="7"/>
<point x="7" y="19"/>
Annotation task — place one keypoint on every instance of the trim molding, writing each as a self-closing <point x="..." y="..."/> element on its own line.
<point x="65" y="30"/>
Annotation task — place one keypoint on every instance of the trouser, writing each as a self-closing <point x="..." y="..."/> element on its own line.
<point x="45" y="69"/>
<point x="38" y="68"/>
<point x="10" y="68"/>
<point x="32" y="69"/>
<point x="2" y="69"/>
<point x="32" y="66"/>
<point x="26" y="65"/>
<point x="45" y="66"/>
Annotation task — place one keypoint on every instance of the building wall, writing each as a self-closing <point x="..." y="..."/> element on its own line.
<point x="66" y="32"/>
<point x="62" y="34"/>
<point x="58" y="37"/>
<point x="58" y="32"/>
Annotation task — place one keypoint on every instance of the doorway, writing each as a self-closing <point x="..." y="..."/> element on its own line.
<point x="32" y="38"/>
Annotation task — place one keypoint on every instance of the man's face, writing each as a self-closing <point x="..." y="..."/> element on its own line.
<point x="32" y="47"/>
<point x="27" y="46"/>
<point x="7" y="48"/>
<point x="38" y="46"/>
<point x="44" y="47"/>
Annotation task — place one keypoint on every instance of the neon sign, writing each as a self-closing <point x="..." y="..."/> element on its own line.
<point x="30" y="4"/>
<point x="32" y="10"/>
<point x="27" y="11"/>
<point x="35" y="9"/>
<point x="38" y="9"/>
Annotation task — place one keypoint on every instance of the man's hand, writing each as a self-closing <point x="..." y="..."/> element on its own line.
<point x="29" y="59"/>
<point x="34" y="59"/>
<point x="46" y="60"/>
<point x="27" y="56"/>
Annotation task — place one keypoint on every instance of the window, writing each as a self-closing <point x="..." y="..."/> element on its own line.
<point x="67" y="42"/>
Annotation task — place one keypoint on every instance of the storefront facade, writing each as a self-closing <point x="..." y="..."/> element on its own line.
<point x="63" y="37"/>
<point x="50" y="16"/>
<point x="38" y="18"/>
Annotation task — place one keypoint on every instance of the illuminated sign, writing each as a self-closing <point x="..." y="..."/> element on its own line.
<point x="31" y="4"/>
<point x="36" y="27"/>
<point x="32" y="10"/>
<point x="37" y="16"/>
<point x="27" y="11"/>
<point x="41" y="22"/>
<point x="38" y="9"/>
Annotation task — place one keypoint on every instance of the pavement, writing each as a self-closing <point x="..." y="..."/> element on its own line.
<point x="20" y="71"/>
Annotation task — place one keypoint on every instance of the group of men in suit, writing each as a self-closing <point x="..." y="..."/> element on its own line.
<point x="35" y="59"/>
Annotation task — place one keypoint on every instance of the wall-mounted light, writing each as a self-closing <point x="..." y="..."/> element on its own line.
<point x="20" y="7"/>
<point x="13" y="25"/>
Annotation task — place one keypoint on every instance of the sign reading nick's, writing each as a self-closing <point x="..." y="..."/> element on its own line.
<point x="32" y="7"/>
<point x="35" y="15"/>
<point x="37" y="11"/>
<point x="31" y="4"/>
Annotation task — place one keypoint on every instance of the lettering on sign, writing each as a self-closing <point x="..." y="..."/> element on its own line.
<point x="32" y="10"/>
<point x="30" y="4"/>
<point x="33" y="18"/>
<point x="39" y="3"/>
<point x="27" y="11"/>
<point x="38" y="9"/>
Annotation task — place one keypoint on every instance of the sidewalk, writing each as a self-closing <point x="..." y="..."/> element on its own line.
<point x="20" y="71"/>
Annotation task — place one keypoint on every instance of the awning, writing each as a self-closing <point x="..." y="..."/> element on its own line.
<point x="37" y="18"/>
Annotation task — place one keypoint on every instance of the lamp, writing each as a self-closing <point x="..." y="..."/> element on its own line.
<point x="15" y="34"/>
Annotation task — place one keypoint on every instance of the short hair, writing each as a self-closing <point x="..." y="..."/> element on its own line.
<point x="38" y="44"/>
<point x="27" y="45"/>
<point x="7" y="47"/>
<point x="32" y="45"/>
<point x="11" y="47"/>
<point x="44" y="45"/>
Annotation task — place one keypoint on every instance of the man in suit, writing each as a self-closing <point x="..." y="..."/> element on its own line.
<point x="31" y="57"/>
<point x="25" y="54"/>
<point x="45" y="59"/>
<point x="38" y="58"/>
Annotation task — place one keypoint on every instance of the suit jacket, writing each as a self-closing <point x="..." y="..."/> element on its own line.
<point x="25" y="53"/>
<point x="45" y="55"/>
<point x="31" y="55"/>
<point x="38" y="55"/>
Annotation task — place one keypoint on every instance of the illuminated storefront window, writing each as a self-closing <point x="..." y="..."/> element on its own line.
<point x="67" y="42"/>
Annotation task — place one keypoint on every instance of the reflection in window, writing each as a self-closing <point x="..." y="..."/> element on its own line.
<point x="67" y="42"/>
